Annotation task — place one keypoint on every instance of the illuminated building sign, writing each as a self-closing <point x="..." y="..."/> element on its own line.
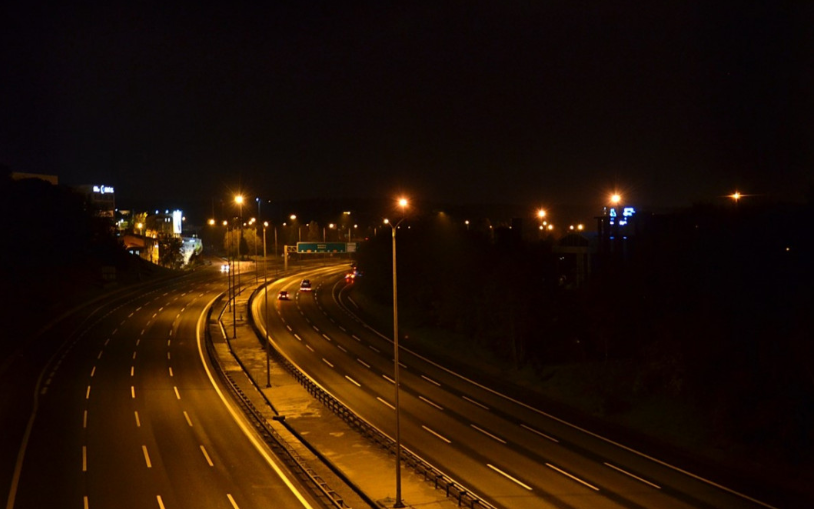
<point x="103" y="189"/>
<point x="627" y="213"/>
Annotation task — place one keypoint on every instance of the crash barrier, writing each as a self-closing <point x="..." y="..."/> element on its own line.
<point x="441" y="481"/>
<point x="273" y="439"/>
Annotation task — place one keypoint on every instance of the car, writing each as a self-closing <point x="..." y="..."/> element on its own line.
<point x="224" y="267"/>
<point x="305" y="286"/>
<point x="283" y="295"/>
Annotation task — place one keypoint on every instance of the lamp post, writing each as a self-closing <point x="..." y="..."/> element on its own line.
<point x="266" y="295"/>
<point x="399" y="503"/>
<point x="239" y="201"/>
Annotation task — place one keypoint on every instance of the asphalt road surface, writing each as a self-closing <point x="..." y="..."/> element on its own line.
<point x="511" y="454"/>
<point x="126" y="414"/>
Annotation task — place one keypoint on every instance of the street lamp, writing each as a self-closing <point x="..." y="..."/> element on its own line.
<point x="403" y="204"/>
<point x="266" y="296"/>
<point x="239" y="201"/>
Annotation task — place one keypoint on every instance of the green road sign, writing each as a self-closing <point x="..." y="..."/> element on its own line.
<point x="326" y="247"/>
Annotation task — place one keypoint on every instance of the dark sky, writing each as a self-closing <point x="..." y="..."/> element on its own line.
<point x="538" y="102"/>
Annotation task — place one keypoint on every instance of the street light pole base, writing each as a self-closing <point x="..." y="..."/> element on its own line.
<point x="399" y="504"/>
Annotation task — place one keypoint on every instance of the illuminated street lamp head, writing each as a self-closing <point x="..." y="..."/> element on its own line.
<point x="386" y="221"/>
<point x="541" y="213"/>
<point x="735" y="196"/>
<point x="403" y="202"/>
<point x="293" y="217"/>
<point x="615" y="198"/>
<point x="239" y="199"/>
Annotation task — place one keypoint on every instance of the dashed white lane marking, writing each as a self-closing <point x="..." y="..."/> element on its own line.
<point x="436" y="405"/>
<point x="353" y="381"/>
<point x="386" y="403"/>
<point x="489" y="434"/>
<point x="177" y="394"/>
<point x="633" y="476"/>
<point x="186" y="416"/>
<point x="539" y="433"/>
<point x="577" y="479"/>
<point x="507" y="476"/>
<point x="146" y="456"/>
<point x="327" y="362"/>
<point x="445" y="439"/>
<point x="476" y="403"/>
<point x="430" y="380"/>
<point x="84" y="458"/>
<point x="232" y="501"/>
<point x="363" y="363"/>
<point x="138" y="421"/>
<point x="206" y="455"/>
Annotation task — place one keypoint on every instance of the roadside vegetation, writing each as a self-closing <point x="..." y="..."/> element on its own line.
<point x="699" y="337"/>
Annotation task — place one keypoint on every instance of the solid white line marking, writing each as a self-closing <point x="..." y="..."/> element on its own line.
<point x="436" y="405"/>
<point x="633" y="476"/>
<point x="445" y="439"/>
<point x="476" y="403"/>
<point x="326" y="362"/>
<point x="488" y="434"/>
<point x="250" y="434"/>
<point x="363" y="363"/>
<point x="138" y="421"/>
<point x="577" y="479"/>
<point x="208" y="459"/>
<point x="353" y="381"/>
<point x="430" y="380"/>
<point x="177" y="394"/>
<point x="146" y="456"/>
<point x="501" y="472"/>
<point x="186" y="416"/>
<point x="539" y="433"/>
<point x="386" y="403"/>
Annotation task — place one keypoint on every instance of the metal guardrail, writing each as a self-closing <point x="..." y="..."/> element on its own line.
<point x="451" y="487"/>
<point x="273" y="439"/>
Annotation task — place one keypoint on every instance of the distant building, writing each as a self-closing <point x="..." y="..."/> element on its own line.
<point x="101" y="199"/>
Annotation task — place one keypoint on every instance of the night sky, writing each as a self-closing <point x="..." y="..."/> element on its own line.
<point x="539" y="103"/>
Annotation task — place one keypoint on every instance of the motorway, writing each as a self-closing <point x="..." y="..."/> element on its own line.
<point x="511" y="454"/>
<point x="128" y="415"/>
